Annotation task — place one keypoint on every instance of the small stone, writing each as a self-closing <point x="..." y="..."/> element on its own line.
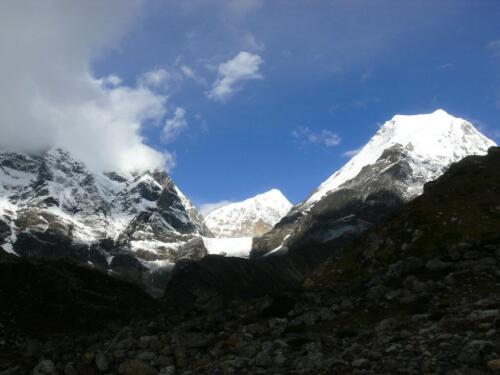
<point x="263" y="359"/>
<point x="170" y="370"/>
<point x="482" y="315"/>
<point x="408" y="298"/>
<point x="360" y="363"/>
<point x="88" y="358"/>
<point x="11" y="371"/>
<point x="449" y="280"/>
<point x="101" y="361"/>
<point x="69" y="369"/>
<point x="474" y="350"/>
<point x="280" y="359"/>
<point x="309" y="318"/>
<point x="490" y="333"/>
<point x="179" y="350"/>
<point x="46" y="367"/>
<point x="494" y="364"/>
<point x="135" y="367"/>
<point x="393" y="294"/>
<point x="146" y="356"/>
<point x="392" y="348"/>
<point x="437" y="265"/>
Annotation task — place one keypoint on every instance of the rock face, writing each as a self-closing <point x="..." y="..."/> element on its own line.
<point x="249" y="218"/>
<point x="135" y="225"/>
<point x="390" y="169"/>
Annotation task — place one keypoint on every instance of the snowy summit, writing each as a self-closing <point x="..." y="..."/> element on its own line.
<point x="433" y="141"/>
<point x="251" y="217"/>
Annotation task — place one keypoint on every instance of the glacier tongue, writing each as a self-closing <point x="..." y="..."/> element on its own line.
<point x="433" y="141"/>
<point x="236" y="246"/>
<point x="251" y="217"/>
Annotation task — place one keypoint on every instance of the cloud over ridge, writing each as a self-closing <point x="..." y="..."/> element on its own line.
<point x="50" y="95"/>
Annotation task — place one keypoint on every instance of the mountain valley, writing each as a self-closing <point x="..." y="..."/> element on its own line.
<point x="389" y="266"/>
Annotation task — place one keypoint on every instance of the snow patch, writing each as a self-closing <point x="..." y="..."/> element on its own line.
<point x="235" y="247"/>
<point x="7" y="247"/>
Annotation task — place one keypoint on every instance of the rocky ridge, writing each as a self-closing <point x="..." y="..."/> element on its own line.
<point x="134" y="225"/>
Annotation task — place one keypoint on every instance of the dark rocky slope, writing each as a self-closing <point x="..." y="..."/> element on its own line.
<point x="419" y="294"/>
<point x="47" y="296"/>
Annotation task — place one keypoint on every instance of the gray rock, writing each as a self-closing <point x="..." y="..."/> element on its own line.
<point x="437" y="265"/>
<point x="179" y="350"/>
<point x="197" y="340"/>
<point x="101" y="362"/>
<point x="146" y="356"/>
<point x="310" y="362"/>
<point x="11" y="371"/>
<point x="393" y="294"/>
<point x="309" y="318"/>
<point x="360" y="363"/>
<point x="263" y="359"/>
<point x="135" y="367"/>
<point x="483" y="315"/>
<point x="69" y="369"/>
<point x="473" y="352"/>
<point x="149" y="342"/>
<point x="170" y="370"/>
<point x="280" y="359"/>
<point x="46" y="367"/>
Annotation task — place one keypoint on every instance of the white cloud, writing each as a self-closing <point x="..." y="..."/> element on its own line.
<point x="446" y="66"/>
<point x="155" y="79"/>
<point x="176" y="124"/>
<point x="188" y="72"/>
<point x="323" y="137"/>
<point x="50" y="96"/>
<point x="112" y="80"/>
<point x="243" y="67"/>
<point x="351" y="153"/>
<point x="206" y="208"/>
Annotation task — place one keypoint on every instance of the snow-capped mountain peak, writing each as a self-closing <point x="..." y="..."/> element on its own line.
<point x="432" y="141"/>
<point x="251" y="217"/>
<point x="94" y="217"/>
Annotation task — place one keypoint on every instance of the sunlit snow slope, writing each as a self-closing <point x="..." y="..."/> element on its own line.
<point x="249" y="218"/>
<point x="433" y="142"/>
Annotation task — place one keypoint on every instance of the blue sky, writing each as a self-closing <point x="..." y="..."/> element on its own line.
<point x="339" y="66"/>
<point x="272" y="94"/>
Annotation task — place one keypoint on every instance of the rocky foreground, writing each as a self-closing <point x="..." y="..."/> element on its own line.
<point x="420" y="294"/>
